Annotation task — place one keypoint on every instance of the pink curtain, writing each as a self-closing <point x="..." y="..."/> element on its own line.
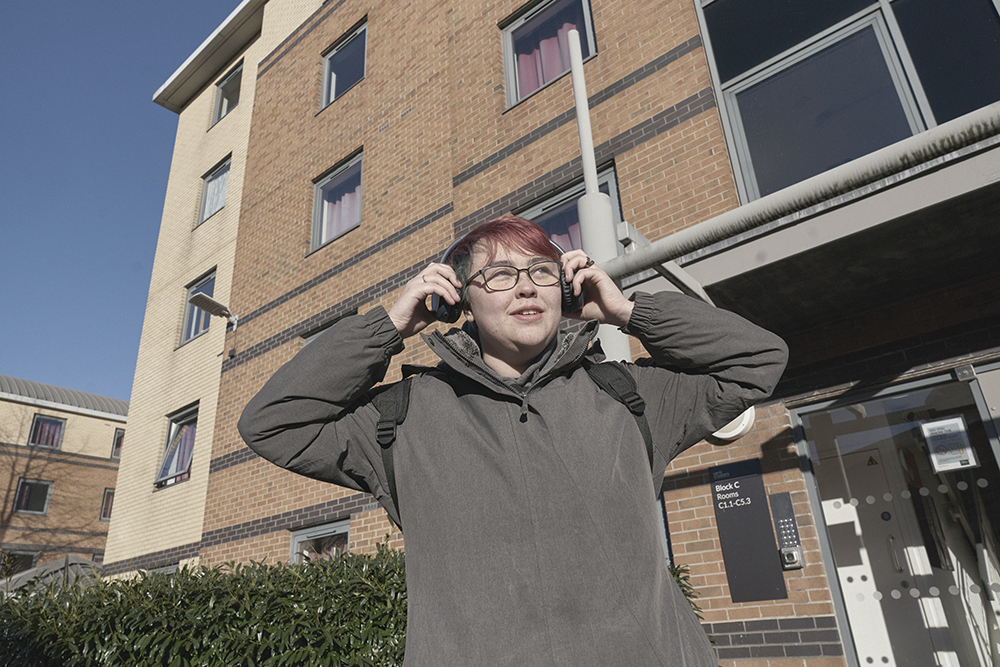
<point x="545" y="63"/>
<point x="570" y="240"/>
<point x="342" y="214"/>
<point x="46" y="433"/>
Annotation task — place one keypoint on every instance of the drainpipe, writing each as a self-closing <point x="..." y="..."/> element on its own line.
<point x="597" y="231"/>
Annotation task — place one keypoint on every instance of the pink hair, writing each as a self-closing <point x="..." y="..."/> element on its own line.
<point x="509" y="231"/>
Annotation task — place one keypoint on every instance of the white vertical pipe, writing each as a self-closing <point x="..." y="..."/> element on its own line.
<point x="582" y="113"/>
<point x="597" y="230"/>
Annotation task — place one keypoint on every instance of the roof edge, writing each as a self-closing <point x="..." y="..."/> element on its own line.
<point x="39" y="394"/>
<point x="225" y="42"/>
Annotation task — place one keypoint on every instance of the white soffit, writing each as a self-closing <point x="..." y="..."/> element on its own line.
<point x="206" y="63"/>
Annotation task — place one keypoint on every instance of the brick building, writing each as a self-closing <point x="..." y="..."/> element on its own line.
<point x="827" y="174"/>
<point x="59" y="452"/>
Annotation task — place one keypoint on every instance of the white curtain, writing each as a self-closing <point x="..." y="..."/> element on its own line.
<point x="341" y="214"/>
<point x="215" y="192"/>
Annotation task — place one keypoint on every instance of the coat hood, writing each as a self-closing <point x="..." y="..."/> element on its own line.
<point x="459" y="350"/>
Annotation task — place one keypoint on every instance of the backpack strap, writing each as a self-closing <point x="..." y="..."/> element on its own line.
<point x="392" y="405"/>
<point x="612" y="377"/>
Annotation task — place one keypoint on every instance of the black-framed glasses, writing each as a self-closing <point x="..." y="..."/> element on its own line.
<point x="502" y="277"/>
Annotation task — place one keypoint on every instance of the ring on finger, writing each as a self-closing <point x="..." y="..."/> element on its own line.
<point x="590" y="262"/>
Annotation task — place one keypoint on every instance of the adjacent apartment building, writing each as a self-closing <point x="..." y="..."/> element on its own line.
<point x="59" y="453"/>
<point x="829" y="170"/>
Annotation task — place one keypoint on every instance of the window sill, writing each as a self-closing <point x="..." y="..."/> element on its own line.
<point x="331" y="241"/>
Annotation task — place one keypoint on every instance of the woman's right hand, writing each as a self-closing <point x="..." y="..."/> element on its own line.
<point x="410" y="313"/>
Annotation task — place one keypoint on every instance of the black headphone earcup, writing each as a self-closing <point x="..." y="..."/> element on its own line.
<point x="570" y="302"/>
<point x="443" y="311"/>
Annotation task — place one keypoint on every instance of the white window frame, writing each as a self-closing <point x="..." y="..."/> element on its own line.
<point x="299" y="537"/>
<point x="329" y="89"/>
<point x="223" y="103"/>
<point x="48" y="496"/>
<point x="524" y="17"/>
<point x="50" y="418"/>
<point x="195" y="317"/>
<point x="169" y="472"/>
<point x="214" y="187"/>
<point x="331" y="179"/>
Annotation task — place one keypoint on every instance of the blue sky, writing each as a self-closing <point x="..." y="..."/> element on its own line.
<point x="84" y="157"/>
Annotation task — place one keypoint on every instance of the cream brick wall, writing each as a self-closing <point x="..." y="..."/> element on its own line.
<point x="85" y="434"/>
<point x="170" y="376"/>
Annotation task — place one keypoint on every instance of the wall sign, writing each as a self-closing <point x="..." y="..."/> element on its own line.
<point x="948" y="444"/>
<point x="749" y="549"/>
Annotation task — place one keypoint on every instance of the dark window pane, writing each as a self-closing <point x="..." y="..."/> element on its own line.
<point x="116" y="446"/>
<point x="955" y="46"/>
<point x="562" y="222"/>
<point x="828" y="109"/>
<point x="347" y="66"/>
<point x="14" y="563"/>
<point x="32" y="497"/>
<point x="745" y="33"/>
<point x="109" y="500"/>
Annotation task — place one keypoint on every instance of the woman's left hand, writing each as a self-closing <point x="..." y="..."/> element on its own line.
<point x="603" y="301"/>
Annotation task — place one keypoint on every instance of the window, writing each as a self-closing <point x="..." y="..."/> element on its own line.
<point x="344" y="65"/>
<point x="557" y="214"/>
<point x="116" y="445"/>
<point x="12" y="562"/>
<point x="227" y="93"/>
<point x="808" y="87"/>
<point x="196" y="320"/>
<point x="109" y="500"/>
<point x="46" y="431"/>
<point x="213" y="191"/>
<point x="32" y="496"/>
<point x="176" y="465"/>
<point x="536" y="45"/>
<point x="320" y="542"/>
<point x="338" y="202"/>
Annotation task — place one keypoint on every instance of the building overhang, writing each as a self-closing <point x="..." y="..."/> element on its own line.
<point x="215" y="53"/>
<point x="927" y="232"/>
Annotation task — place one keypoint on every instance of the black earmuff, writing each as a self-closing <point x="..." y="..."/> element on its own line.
<point x="445" y="312"/>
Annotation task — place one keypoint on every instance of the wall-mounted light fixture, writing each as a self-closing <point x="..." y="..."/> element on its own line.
<point x="213" y="307"/>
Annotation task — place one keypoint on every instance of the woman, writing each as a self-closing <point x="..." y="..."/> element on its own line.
<point x="525" y="490"/>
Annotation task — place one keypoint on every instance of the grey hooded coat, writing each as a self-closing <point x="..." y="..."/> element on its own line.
<point x="528" y="505"/>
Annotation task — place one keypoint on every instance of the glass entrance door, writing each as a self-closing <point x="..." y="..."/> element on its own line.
<point x="910" y="495"/>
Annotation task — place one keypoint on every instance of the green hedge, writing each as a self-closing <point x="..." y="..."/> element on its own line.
<point x="350" y="610"/>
